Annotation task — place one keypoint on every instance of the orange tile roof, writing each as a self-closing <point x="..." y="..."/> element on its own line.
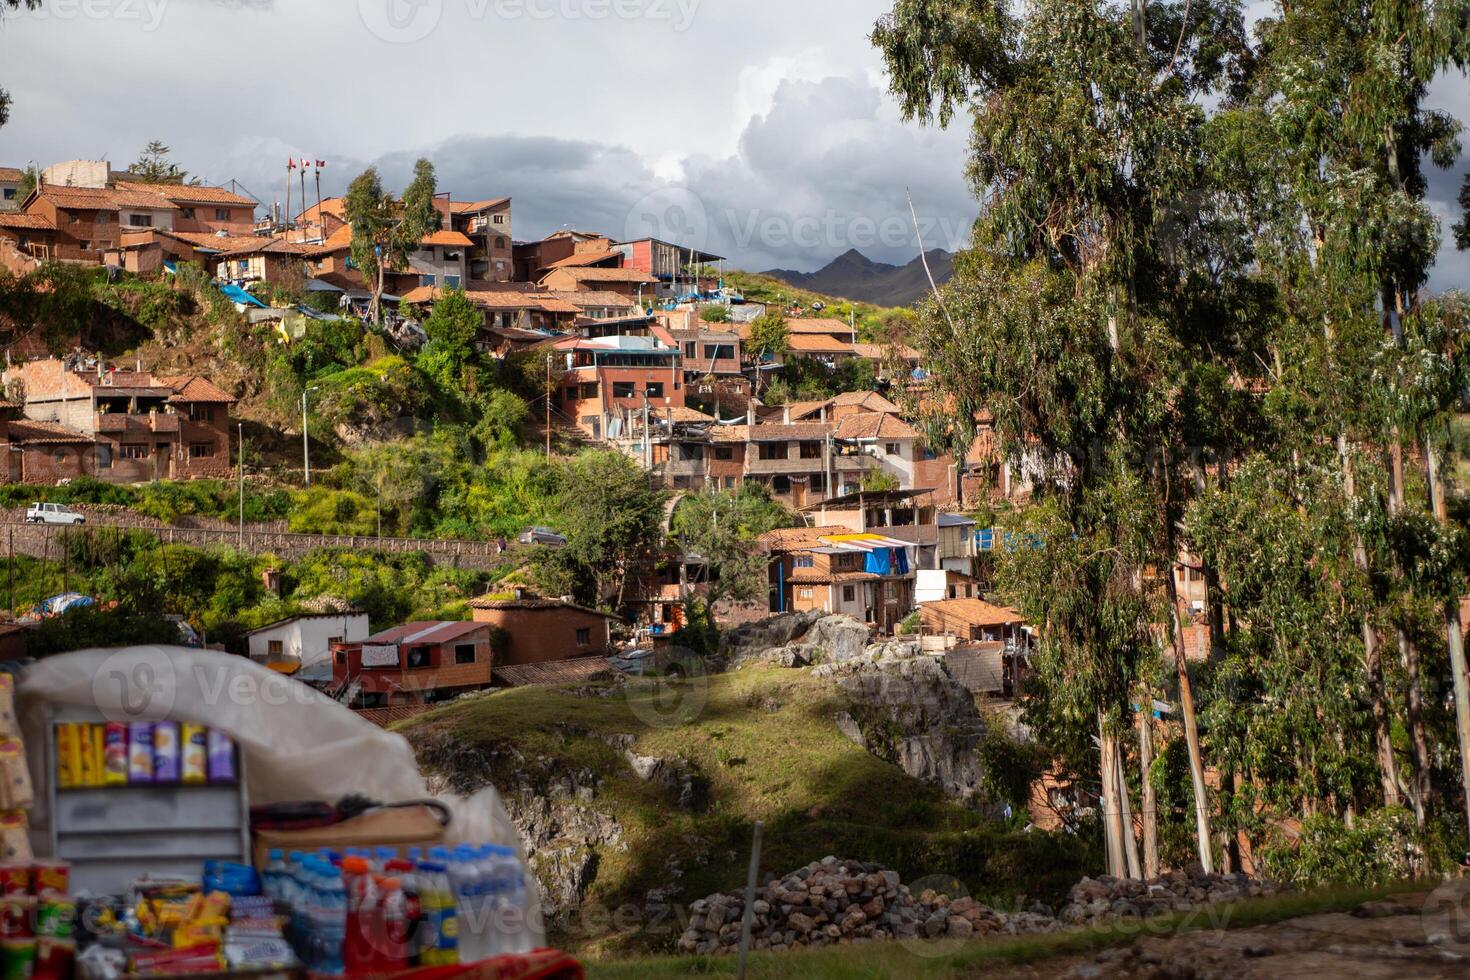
<point x="339" y="241"/>
<point x="192" y="388"/>
<point x="474" y="207"/>
<point x="104" y="198"/>
<point x="447" y="238"/>
<point x="609" y="275"/>
<point x="28" y="431"/>
<point x="11" y="173"/>
<point x="335" y="207"/>
<point x="875" y="425"/>
<point x="494" y="299"/>
<point x="189" y="193"/>
<point x="817" y="344"/>
<point x="881" y="352"/>
<point x="595" y="297"/>
<point x="974" y="612"/>
<point x="870" y="400"/>
<point x="829" y="326"/>
<point x="585" y="259"/>
<point x="19" y="219"/>
<point x="799" y="538"/>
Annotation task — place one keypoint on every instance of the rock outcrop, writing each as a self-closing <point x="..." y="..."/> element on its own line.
<point x="796" y="640"/>
<point x="905" y="708"/>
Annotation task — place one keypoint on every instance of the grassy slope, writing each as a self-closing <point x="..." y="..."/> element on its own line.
<point x="765" y="289"/>
<point x="766" y="741"/>
<point x="985" y="958"/>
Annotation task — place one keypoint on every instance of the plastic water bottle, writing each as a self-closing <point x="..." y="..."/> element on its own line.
<point x="393" y="940"/>
<point x="470" y="907"/>
<point x="275" y="874"/>
<point x="439" y="942"/>
<point x="515" y="904"/>
<point x="333" y="936"/>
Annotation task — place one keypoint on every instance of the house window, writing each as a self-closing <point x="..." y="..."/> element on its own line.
<point x="201" y="450"/>
<point x="428" y="280"/>
<point x="499" y="219"/>
<point x="624" y="389"/>
<point x="691" y="453"/>
<point x="724" y="453"/>
<point x="342" y="657"/>
<point x="891" y="449"/>
<point x="73" y="219"/>
<point x="773" y="450"/>
<point x="186" y="213"/>
<point x="849" y="593"/>
<point x="811" y="450"/>
<point x="220" y="214"/>
<point x="805" y="561"/>
<point x="276" y="649"/>
<point x="336" y="641"/>
<point x="654" y="389"/>
<point x="10" y="193"/>
<point x="140" y="220"/>
<point x="721" y="352"/>
<point x="201" y="413"/>
<point x="132" y="451"/>
<point x="584" y="637"/>
<point x="499" y="265"/>
<point x="85" y="245"/>
<point x="805" y="593"/>
<point x="418" y="658"/>
<point x="452" y="282"/>
<point x="500" y="242"/>
<point x="689" y="350"/>
<point x="464" y="653"/>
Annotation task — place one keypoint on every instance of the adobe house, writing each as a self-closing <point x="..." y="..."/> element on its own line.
<point x="534" y="631"/>
<point x="416" y="663"/>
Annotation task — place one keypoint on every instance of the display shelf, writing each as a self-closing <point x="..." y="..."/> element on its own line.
<point x="113" y="835"/>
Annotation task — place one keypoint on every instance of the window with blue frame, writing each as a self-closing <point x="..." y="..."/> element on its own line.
<point x="451" y="282"/>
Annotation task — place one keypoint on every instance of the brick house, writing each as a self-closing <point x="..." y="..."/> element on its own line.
<point x="416" y="663"/>
<point x="90" y="220"/>
<point x="487" y="225"/>
<point x="630" y="283"/>
<point x="608" y="380"/>
<point x="669" y="264"/>
<point x="867" y="576"/>
<point x="532" y="259"/>
<point x="118" y="426"/>
<point x="10" y="181"/>
<point x="202" y="209"/>
<point x="535" y="631"/>
<point x="25" y="239"/>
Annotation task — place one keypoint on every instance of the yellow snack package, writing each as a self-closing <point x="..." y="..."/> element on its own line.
<point x="68" y="757"/>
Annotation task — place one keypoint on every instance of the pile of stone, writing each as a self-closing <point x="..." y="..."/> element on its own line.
<point x="1094" y="901"/>
<point x="832" y="901"/>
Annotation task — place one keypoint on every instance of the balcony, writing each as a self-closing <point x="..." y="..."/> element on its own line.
<point x="125" y="424"/>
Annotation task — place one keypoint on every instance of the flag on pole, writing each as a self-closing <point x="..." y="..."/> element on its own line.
<point x="291" y="164"/>
<point x="321" y="165"/>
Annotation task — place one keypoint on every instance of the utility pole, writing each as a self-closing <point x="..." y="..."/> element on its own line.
<point x="647" y="437"/>
<point x="548" y="407"/>
<point x="241" y="468"/>
<point x="305" y="437"/>
<point x="321" y="216"/>
<point x="286" y="218"/>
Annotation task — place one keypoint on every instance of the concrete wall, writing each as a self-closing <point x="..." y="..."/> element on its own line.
<point x="308" y="640"/>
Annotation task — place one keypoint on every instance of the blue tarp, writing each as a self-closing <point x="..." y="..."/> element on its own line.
<point x="901" y="560"/>
<point x="237" y="295"/>
<point x="879" y="562"/>
<point x="65" y="603"/>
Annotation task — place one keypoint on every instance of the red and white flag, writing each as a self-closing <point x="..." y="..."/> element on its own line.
<point x="291" y="164"/>
<point x="321" y="165"/>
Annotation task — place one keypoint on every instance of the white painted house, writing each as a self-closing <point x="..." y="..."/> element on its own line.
<point x="302" y="645"/>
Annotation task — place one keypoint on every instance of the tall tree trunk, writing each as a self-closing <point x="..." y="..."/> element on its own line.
<point x="1125" y="809"/>
<point x="1191" y="727"/>
<point x="1148" y="799"/>
<point x="1112" y="813"/>
<point x="1388" y="775"/>
<point x="1419" y="787"/>
<point x="1454" y="631"/>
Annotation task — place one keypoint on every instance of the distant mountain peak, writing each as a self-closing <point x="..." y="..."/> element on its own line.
<point x="852" y="275"/>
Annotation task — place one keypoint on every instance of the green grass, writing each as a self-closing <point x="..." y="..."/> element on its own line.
<point x="767" y="746"/>
<point x="896" y="960"/>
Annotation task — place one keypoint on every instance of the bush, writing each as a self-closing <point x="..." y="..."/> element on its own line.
<point x="1382" y="846"/>
<point x="715" y="314"/>
<point x="323" y="511"/>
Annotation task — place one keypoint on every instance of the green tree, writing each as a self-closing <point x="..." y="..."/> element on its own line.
<point x="451" y="328"/>
<point x="385" y="230"/>
<point x="724" y="528"/>
<point x="715" y="314"/>
<point x="153" y="166"/>
<point x="1063" y="322"/>
<point x="612" y="517"/>
<point x="769" y="336"/>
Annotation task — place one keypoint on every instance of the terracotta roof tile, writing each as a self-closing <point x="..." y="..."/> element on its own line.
<point x="444" y="237"/>
<point x="801" y="343"/>
<point x="586" y="259"/>
<point x="875" y="425"/>
<point x="828" y="327"/>
<point x="798" y="538"/>
<point x="104" y="198"/>
<point x="12" y="173"/>
<point x="971" y="612"/>
<point x="474" y="207"/>
<point x="190" y="194"/>
<point x="191" y="388"/>
<point x="609" y="275"/>
<point x="19" y="219"/>
<point x="29" y="432"/>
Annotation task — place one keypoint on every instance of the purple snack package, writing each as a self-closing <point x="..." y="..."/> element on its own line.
<point x="166" y="752"/>
<point x="221" y="757"/>
<point x="140" y="752"/>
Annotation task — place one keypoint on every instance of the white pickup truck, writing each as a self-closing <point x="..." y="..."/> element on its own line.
<point x="53" y="514"/>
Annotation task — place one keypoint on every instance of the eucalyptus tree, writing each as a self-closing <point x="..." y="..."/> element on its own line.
<point x="1071" y="321"/>
<point x="1339" y="101"/>
<point x="387" y="230"/>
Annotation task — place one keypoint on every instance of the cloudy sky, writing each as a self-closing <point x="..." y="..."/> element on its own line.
<point x="760" y="129"/>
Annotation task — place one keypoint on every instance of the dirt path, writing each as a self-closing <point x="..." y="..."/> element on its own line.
<point x="1422" y="936"/>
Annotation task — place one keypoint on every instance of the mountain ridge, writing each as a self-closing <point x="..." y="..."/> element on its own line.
<point x="852" y="275"/>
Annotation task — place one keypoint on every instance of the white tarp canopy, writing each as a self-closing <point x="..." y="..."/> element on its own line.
<point x="298" y="744"/>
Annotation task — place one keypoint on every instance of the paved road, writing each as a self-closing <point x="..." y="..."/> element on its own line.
<point x="44" y="541"/>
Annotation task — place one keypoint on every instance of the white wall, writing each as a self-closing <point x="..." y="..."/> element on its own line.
<point x="308" y="639"/>
<point x="930" y="585"/>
